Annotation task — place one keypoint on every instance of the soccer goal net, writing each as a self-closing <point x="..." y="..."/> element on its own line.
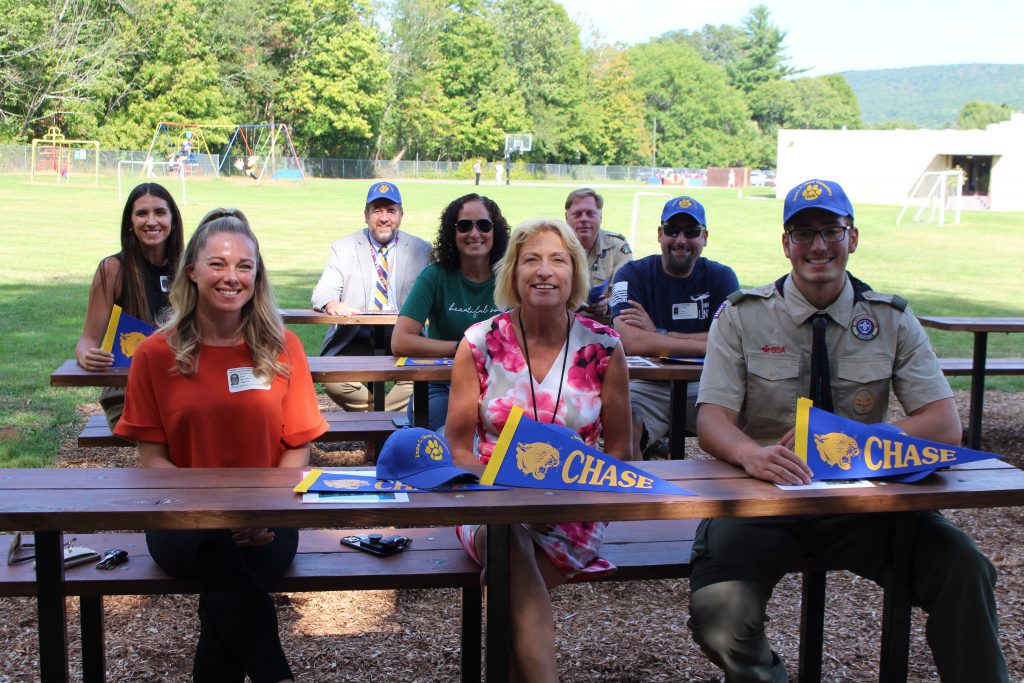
<point x="936" y="192"/>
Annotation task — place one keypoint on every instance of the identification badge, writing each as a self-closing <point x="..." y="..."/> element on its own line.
<point x="684" y="311"/>
<point x="243" y="379"/>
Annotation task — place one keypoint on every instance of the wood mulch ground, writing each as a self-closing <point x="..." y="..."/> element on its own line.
<point x="630" y="632"/>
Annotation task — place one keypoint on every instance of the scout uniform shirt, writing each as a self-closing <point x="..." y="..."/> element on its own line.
<point x="759" y="357"/>
<point x="611" y="251"/>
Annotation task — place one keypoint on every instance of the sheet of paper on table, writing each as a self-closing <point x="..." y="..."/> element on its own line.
<point x="640" y="362"/>
<point x="829" y="484"/>
<point x="380" y="497"/>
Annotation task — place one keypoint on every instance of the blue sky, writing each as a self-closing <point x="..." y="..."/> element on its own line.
<point x="838" y="35"/>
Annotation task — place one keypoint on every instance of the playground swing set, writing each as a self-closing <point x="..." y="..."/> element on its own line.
<point x="262" y="149"/>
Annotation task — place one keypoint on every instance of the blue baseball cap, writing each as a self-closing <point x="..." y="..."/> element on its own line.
<point x="384" y="191"/>
<point x="817" y="194"/>
<point x="420" y="458"/>
<point x="687" y="205"/>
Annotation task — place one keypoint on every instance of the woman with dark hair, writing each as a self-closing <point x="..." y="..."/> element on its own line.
<point x="455" y="291"/>
<point x="223" y="384"/>
<point x="137" y="278"/>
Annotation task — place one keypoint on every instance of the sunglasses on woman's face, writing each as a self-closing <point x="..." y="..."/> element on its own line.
<point x="484" y="225"/>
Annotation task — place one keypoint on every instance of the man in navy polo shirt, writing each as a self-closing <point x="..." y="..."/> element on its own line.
<point x="662" y="305"/>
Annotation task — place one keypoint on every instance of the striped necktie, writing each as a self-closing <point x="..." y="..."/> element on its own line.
<point x="380" y="294"/>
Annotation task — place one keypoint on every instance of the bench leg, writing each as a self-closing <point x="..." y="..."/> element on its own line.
<point x="94" y="664"/>
<point x="499" y="608"/>
<point x="677" y="428"/>
<point x="472" y="603"/>
<point x="812" y="626"/>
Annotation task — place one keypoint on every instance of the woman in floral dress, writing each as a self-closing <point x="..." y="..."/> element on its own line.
<point x="559" y="368"/>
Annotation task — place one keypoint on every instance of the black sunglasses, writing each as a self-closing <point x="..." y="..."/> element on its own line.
<point x="484" y="225"/>
<point x="689" y="232"/>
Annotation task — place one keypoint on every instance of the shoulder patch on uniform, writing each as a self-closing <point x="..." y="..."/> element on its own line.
<point x="625" y="248"/>
<point x="894" y="300"/>
<point x="763" y="292"/>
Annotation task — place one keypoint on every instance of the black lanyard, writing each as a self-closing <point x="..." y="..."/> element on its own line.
<point x="529" y="368"/>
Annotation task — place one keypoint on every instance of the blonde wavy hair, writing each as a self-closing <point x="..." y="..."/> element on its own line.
<point x="506" y="294"/>
<point x="262" y="326"/>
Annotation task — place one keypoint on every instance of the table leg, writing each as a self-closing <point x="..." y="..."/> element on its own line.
<point x="53" y="645"/>
<point x="677" y="430"/>
<point x="499" y="604"/>
<point x="420" y="405"/>
<point x="896" y="611"/>
<point x="380" y="348"/>
<point x="977" y="390"/>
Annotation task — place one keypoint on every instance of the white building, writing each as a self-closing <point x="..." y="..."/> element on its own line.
<point x="881" y="166"/>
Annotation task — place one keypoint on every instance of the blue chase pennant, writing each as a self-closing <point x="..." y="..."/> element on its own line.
<point x="839" y="448"/>
<point x="124" y="334"/>
<point x="532" y="455"/>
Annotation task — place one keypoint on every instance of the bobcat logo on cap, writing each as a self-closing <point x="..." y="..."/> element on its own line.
<point x="684" y="203"/>
<point x="384" y="188"/>
<point x="837" y="449"/>
<point x="129" y="342"/>
<point x="536" y="459"/>
<point x="430" y="446"/>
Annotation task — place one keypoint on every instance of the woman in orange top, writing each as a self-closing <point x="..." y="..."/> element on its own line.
<point x="224" y="384"/>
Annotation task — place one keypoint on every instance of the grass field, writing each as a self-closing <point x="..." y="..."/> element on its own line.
<point x="53" y="237"/>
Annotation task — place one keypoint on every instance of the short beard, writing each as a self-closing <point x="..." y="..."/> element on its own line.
<point x="679" y="267"/>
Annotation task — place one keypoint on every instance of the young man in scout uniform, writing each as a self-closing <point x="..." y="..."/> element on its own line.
<point x="820" y="332"/>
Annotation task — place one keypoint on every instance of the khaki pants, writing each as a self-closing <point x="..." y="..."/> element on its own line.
<point x="355" y="397"/>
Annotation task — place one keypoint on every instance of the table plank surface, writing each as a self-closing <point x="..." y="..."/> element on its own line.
<point x="309" y="316"/>
<point x="131" y="498"/>
<point x="973" y="324"/>
<point x="355" y="368"/>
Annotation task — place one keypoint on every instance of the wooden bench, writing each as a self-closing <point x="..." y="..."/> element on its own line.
<point x="647" y="550"/>
<point x="371" y="427"/>
<point x="963" y="367"/>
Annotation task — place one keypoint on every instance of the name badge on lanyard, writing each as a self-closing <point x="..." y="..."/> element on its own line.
<point x="243" y="379"/>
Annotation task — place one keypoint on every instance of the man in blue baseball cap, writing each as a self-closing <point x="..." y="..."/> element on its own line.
<point x="372" y="269"/>
<point x="821" y="333"/>
<point x="662" y="305"/>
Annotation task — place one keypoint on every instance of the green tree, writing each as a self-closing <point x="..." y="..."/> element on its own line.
<point x="721" y="45"/>
<point x="978" y="114"/>
<point x="702" y="120"/>
<point x="762" y="56"/>
<point x="542" y="47"/>
<point x="480" y="94"/>
<point x="617" y="133"/>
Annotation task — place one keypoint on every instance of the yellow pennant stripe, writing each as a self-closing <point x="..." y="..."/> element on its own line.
<point x="309" y="480"/>
<point x="401" y="361"/>
<point x="501" y="448"/>
<point x="108" y="338"/>
<point x="803" y="421"/>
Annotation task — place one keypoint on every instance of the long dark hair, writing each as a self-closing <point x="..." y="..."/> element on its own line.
<point x="130" y="285"/>
<point x="446" y="253"/>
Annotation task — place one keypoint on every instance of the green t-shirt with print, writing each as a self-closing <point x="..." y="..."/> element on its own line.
<point x="449" y="301"/>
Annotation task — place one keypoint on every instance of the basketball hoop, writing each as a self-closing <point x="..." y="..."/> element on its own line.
<point x="518" y="143"/>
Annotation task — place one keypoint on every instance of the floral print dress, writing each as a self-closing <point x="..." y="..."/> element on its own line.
<point x="505" y="382"/>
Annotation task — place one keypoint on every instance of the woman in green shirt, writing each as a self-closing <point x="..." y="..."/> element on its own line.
<point x="454" y="292"/>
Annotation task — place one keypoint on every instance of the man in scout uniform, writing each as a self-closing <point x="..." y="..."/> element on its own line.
<point x="662" y="306"/>
<point x="821" y="333"/>
<point x="606" y="251"/>
<point x="372" y="269"/>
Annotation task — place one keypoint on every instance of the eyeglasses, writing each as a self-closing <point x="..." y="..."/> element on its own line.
<point x="689" y="232"/>
<point x="830" y="234"/>
<point x="484" y="225"/>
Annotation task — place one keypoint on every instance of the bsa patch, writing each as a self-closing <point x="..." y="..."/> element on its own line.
<point x="625" y="249"/>
<point x="864" y="327"/>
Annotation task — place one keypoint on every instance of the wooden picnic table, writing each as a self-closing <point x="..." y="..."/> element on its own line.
<point x="383" y="368"/>
<point x="980" y="327"/>
<point x="49" y="502"/>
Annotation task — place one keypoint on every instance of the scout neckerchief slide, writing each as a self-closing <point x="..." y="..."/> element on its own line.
<point x="835" y="447"/>
<point x="534" y="455"/>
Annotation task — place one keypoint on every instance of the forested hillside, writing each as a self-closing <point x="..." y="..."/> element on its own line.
<point x="932" y="96"/>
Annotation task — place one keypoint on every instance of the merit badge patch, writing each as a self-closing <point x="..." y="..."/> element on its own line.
<point x="864" y="327"/>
